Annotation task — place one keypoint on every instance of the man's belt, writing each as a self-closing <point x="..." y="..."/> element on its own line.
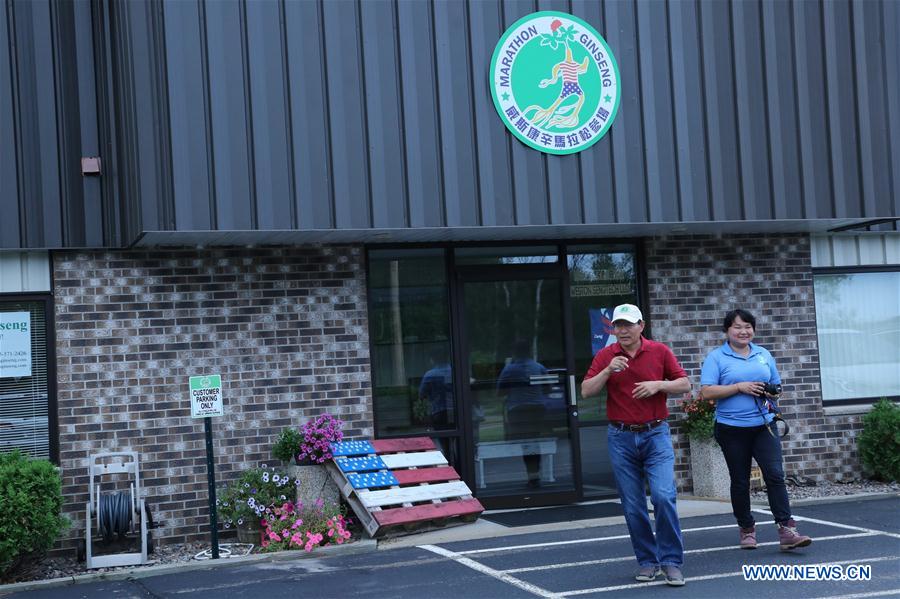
<point x="635" y="428"/>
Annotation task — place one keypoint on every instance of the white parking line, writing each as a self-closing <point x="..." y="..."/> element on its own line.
<point x="630" y="558"/>
<point x="835" y="524"/>
<point x="577" y="541"/>
<point x="709" y="577"/>
<point x="892" y="592"/>
<point x="525" y="586"/>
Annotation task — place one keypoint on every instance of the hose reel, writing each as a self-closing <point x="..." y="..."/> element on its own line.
<point x="114" y="515"/>
<point x="119" y="517"/>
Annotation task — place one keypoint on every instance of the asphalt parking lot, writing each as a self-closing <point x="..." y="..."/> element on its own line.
<point x="585" y="562"/>
<point x="598" y="562"/>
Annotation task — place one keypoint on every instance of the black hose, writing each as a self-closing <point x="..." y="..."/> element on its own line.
<point x="114" y="515"/>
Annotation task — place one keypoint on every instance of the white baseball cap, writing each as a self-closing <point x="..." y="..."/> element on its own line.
<point x="628" y="312"/>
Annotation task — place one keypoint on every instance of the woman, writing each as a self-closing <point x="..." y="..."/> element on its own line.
<point x="734" y="375"/>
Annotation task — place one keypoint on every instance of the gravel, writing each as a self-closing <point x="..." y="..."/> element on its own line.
<point x="64" y="567"/>
<point x="802" y="489"/>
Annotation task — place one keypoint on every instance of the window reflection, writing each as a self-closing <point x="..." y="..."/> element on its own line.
<point x="506" y="255"/>
<point x="410" y="328"/>
<point x="600" y="278"/>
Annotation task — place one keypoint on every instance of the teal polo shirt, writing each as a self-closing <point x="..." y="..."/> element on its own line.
<point x="724" y="367"/>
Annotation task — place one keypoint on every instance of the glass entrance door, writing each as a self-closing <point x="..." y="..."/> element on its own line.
<point x="517" y="386"/>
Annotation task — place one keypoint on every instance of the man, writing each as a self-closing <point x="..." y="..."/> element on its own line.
<point x="525" y="409"/>
<point x="436" y="393"/>
<point x="637" y="374"/>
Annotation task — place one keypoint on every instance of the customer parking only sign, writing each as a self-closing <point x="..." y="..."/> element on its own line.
<point x="206" y="396"/>
<point x="555" y="82"/>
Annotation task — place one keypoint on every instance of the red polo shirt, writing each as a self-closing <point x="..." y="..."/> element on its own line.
<point x="652" y="362"/>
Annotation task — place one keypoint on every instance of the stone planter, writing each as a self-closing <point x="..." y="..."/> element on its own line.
<point x="709" y="470"/>
<point x="249" y="532"/>
<point x="315" y="482"/>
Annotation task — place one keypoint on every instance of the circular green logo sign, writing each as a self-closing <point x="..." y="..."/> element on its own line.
<point x="555" y="82"/>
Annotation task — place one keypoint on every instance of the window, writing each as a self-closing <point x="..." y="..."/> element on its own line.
<point x="24" y="391"/>
<point x="410" y="339"/>
<point x="858" y="324"/>
<point x="600" y="278"/>
<point x="539" y="254"/>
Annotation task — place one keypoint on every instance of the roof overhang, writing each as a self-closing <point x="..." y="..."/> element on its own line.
<point x="462" y="234"/>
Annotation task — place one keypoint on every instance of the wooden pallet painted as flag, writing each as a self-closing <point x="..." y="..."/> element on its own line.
<point x="401" y="485"/>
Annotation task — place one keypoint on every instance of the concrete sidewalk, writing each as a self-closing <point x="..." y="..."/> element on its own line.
<point x="480" y="529"/>
<point x="483" y="529"/>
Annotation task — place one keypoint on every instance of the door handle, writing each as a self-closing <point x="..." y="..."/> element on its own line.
<point x="573" y="401"/>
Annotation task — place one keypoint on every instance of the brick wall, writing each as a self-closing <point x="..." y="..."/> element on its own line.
<point x="286" y="329"/>
<point x="695" y="280"/>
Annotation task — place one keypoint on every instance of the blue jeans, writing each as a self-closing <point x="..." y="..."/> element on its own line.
<point x="636" y="458"/>
<point x="739" y="444"/>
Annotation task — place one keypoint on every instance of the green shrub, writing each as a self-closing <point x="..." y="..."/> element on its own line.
<point x="287" y="446"/>
<point x="879" y="441"/>
<point x="30" y="509"/>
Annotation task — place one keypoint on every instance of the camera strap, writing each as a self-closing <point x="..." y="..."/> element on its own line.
<point x="773" y="408"/>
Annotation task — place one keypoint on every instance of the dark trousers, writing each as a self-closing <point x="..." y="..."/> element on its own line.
<point x="739" y="444"/>
<point x="527" y="422"/>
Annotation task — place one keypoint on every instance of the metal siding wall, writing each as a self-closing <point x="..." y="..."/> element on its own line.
<point x="752" y="113"/>
<point x="492" y="139"/>
<point x="812" y="110"/>
<point x="378" y="114"/>
<point x="410" y="138"/>
<point x="384" y="105"/>
<point x="891" y="23"/>
<point x="840" y="83"/>
<point x="272" y="150"/>
<point x="310" y="132"/>
<point x="458" y="148"/>
<point x="145" y="169"/>
<point x="228" y="116"/>
<point x="349" y="142"/>
<point x="781" y="75"/>
<point x="722" y="125"/>
<point x="564" y="194"/>
<point x="89" y="231"/>
<point x="9" y="178"/>
<point x="626" y="134"/>
<point x="690" y="112"/>
<point x="529" y="168"/>
<point x="22" y="272"/>
<point x="421" y="118"/>
<point x="39" y="177"/>
<point x="188" y="110"/>
<point x="597" y="193"/>
<point x="843" y="249"/>
<point x="868" y="49"/>
<point x="659" y="132"/>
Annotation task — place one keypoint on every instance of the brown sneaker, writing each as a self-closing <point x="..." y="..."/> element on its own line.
<point x="748" y="538"/>
<point x="674" y="577"/>
<point x="647" y="573"/>
<point x="789" y="538"/>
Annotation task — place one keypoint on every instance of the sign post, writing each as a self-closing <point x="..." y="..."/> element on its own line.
<point x="206" y="401"/>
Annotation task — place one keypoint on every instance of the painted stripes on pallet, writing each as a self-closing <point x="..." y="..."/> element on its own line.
<point x="399" y="484"/>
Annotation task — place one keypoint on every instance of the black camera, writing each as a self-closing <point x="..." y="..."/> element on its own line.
<point x="770" y="389"/>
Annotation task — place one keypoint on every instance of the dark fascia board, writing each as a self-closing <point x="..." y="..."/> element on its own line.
<point x="460" y="234"/>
